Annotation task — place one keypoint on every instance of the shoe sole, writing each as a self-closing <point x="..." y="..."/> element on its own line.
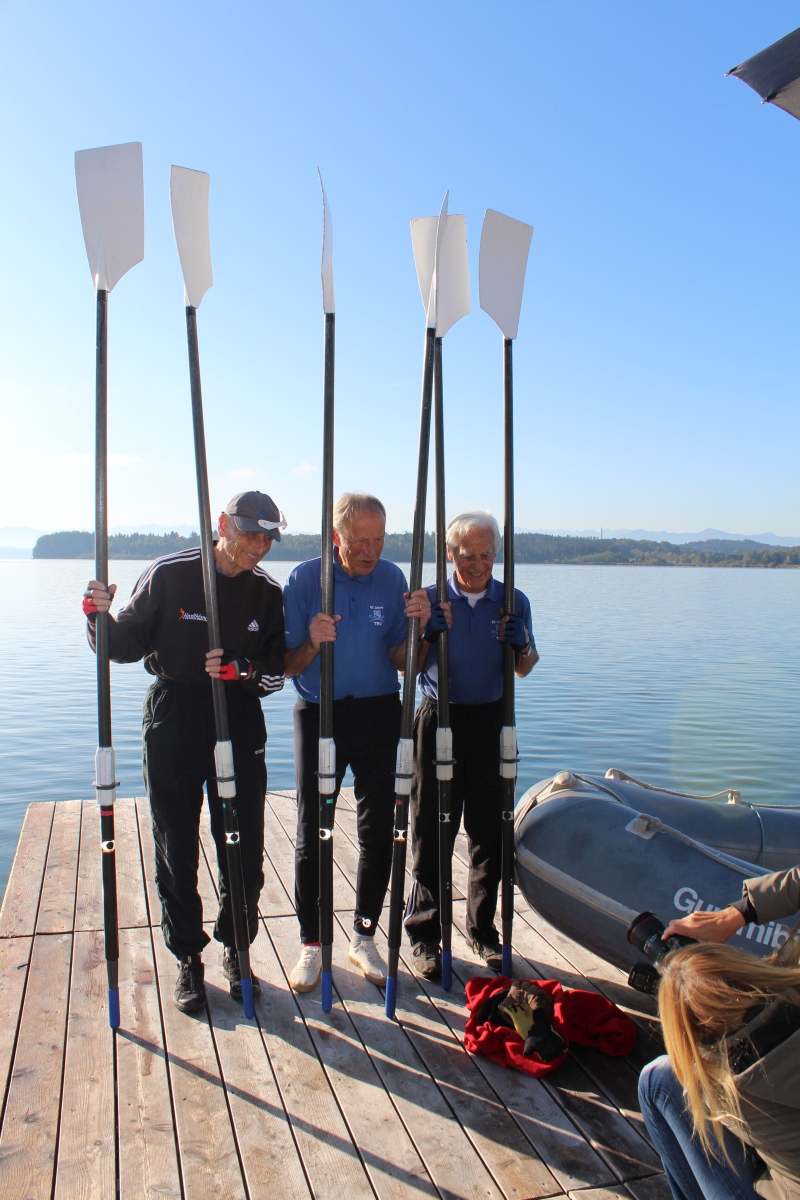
<point x="429" y="976"/>
<point x="191" y="1006"/>
<point x="371" y="976"/>
<point x="303" y="987"/>
<point x="237" y="994"/>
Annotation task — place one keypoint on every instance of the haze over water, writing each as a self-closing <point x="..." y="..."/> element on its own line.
<point x="684" y="677"/>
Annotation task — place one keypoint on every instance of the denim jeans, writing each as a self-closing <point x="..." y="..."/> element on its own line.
<point x="691" y="1174"/>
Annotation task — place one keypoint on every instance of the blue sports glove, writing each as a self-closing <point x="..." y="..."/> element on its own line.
<point x="516" y="633"/>
<point x="436" y="625"/>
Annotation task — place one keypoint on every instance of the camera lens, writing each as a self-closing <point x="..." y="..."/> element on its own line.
<point x="644" y="932"/>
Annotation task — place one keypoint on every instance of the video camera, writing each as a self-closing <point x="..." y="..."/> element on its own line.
<point x="645" y="933"/>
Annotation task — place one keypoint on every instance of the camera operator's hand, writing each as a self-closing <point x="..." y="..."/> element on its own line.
<point x="707" y="926"/>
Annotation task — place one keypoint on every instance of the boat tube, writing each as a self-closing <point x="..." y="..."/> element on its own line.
<point x="592" y="853"/>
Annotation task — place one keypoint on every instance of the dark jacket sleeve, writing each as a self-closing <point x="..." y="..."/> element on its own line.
<point x="131" y="632"/>
<point x="774" y="896"/>
<point x="267" y="676"/>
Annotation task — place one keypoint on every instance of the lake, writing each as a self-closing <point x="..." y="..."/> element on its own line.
<point x="686" y="677"/>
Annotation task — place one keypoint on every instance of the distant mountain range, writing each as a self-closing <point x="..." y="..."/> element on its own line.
<point x="675" y="539"/>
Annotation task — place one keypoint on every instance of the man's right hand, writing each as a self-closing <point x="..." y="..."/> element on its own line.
<point x="707" y="926"/>
<point x="322" y="629"/>
<point x="97" y="598"/>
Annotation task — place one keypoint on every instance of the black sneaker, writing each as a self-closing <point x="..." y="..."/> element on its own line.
<point x="231" y="971"/>
<point x="491" y="953"/>
<point x="426" y="959"/>
<point x="190" y="990"/>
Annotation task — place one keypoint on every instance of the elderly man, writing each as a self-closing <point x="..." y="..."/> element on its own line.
<point x="164" y="622"/>
<point x="369" y="629"/>
<point x="478" y="626"/>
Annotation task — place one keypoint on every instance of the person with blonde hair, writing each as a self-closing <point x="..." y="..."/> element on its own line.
<point x="723" y="1106"/>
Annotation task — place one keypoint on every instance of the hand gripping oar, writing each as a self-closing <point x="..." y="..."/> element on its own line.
<point x="405" y="746"/>
<point x="452" y="304"/>
<point x="326" y="772"/>
<point x="189" y="200"/>
<point x="111" y="201"/>
<point x="503" y="260"/>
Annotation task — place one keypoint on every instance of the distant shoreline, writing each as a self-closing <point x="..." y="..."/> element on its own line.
<point x="529" y="548"/>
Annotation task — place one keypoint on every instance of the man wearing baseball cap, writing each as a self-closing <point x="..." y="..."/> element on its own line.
<point x="164" y="622"/>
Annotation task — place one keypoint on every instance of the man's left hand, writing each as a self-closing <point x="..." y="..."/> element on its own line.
<point x="418" y="605"/>
<point x="228" y="667"/>
<point x="513" y="631"/>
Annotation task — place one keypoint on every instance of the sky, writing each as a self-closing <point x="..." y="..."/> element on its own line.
<point x="656" y="367"/>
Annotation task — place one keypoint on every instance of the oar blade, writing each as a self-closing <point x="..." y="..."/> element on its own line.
<point x="453" y="301"/>
<point x="110" y="183"/>
<point x="188" y="193"/>
<point x="328" y="298"/>
<point x="505" y="243"/>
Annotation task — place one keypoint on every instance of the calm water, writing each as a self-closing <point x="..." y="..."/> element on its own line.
<point x="684" y="677"/>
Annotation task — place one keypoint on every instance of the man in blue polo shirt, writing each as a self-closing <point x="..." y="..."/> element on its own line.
<point x="477" y="627"/>
<point x="369" y="629"/>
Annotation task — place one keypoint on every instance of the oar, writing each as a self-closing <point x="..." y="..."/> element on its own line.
<point x="326" y="772"/>
<point x="505" y="244"/>
<point x="452" y="304"/>
<point x="189" y="200"/>
<point x="111" y="201"/>
<point x="405" y="746"/>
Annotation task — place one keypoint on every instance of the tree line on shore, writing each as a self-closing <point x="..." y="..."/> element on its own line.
<point x="528" y="548"/>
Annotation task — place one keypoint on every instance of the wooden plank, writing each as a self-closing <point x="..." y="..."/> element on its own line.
<point x="14" y="956"/>
<point x="30" y="1123"/>
<point x="21" y="900"/>
<point x="449" y="1156"/>
<point x="57" y="902"/>
<point x="148" y="1160"/>
<point x="280" y="828"/>
<point x="132" y="908"/>
<point x="274" y="900"/>
<point x="332" y="1164"/>
<point x="270" y="1160"/>
<point x="148" y="859"/>
<point x="87" y="1143"/>
<point x="210" y="1164"/>
<point x="654" y="1187"/>
<point x="389" y="1155"/>
<point x="207" y="871"/>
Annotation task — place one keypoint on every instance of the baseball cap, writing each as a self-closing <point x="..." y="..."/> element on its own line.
<point x="255" y="512"/>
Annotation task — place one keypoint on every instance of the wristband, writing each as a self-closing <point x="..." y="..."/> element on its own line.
<point x="234" y="667"/>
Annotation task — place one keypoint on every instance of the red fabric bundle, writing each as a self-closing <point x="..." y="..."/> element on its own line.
<point x="582" y="1017"/>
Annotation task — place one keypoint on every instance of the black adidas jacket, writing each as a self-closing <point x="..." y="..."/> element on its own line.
<point x="164" y="622"/>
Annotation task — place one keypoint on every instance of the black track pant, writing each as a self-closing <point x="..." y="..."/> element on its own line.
<point x="476" y="792"/>
<point x="179" y="741"/>
<point x="366" y="732"/>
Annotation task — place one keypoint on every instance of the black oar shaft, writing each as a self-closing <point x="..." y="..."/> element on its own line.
<point x="405" y="747"/>
<point x="226" y="785"/>
<point x="444" y="734"/>
<point x="508" y="743"/>
<point x="105" y="770"/>
<point x="327" y="750"/>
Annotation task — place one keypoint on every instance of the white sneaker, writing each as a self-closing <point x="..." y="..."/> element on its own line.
<point x="305" y="975"/>
<point x="364" y="955"/>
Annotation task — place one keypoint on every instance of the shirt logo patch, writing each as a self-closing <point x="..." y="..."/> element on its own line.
<point x="376" y="614"/>
<point x="253" y="627"/>
<point x="184" y="616"/>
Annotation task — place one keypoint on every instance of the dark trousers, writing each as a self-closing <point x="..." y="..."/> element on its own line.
<point x="366" y="732"/>
<point x="477" y="794"/>
<point x="179" y="741"/>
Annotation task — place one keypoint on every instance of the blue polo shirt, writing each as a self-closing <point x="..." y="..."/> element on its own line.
<point x="373" y="621"/>
<point x="476" y="652"/>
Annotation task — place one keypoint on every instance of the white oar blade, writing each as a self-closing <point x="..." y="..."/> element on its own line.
<point x="328" y="298"/>
<point x="453" y="277"/>
<point x="503" y="261"/>
<point x="110" y="182"/>
<point x="188" y="193"/>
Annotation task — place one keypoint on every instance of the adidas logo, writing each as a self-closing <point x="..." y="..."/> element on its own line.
<point x="253" y="627"/>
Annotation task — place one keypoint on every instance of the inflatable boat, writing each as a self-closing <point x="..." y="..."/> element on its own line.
<point x="593" y="852"/>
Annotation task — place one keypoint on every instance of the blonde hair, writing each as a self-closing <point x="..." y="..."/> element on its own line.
<point x="705" y="994"/>
<point x="352" y="504"/>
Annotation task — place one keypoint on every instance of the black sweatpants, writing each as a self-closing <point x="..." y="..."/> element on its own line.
<point x="179" y="741"/>
<point x="476" y="792"/>
<point x="366" y="732"/>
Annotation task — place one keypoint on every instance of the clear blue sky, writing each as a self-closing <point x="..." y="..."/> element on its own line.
<point x="657" y="360"/>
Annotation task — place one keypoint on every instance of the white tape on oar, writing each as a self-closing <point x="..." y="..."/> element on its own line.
<point x="188" y="194"/>
<point x="405" y="762"/>
<point x="328" y="298"/>
<point x="326" y="761"/>
<point x="573" y="887"/>
<point x="505" y="243"/>
<point x="453" y="301"/>
<point x="110" y="185"/>
<point x="226" y="780"/>
<point x="444" y="753"/>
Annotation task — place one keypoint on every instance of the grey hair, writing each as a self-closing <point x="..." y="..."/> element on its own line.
<point x="460" y="526"/>
<point x="352" y="504"/>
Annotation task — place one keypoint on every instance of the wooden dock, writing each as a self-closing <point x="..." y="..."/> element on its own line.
<point x="296" y="1103"/>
